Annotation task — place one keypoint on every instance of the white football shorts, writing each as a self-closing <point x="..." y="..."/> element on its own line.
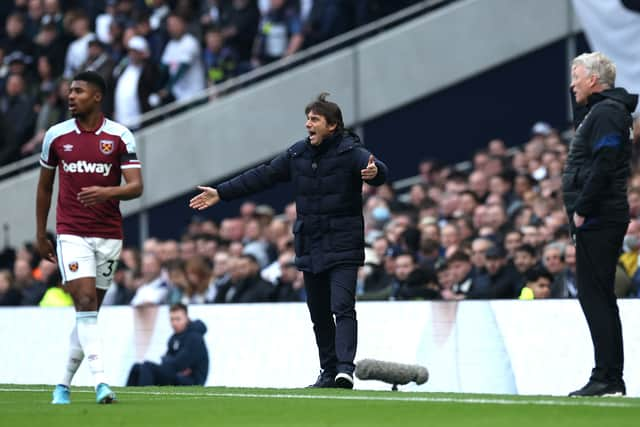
<point x="88" y="257"/>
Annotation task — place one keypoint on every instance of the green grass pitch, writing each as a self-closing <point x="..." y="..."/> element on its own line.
<point x="216" y="406"/>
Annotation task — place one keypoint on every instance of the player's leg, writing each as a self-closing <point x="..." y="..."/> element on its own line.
<point x="75" y="257"/>
<point x="107" y="253"/>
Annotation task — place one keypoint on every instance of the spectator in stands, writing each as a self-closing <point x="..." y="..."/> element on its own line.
<point x="99" y="60"/>
<point x="553" y="261"/>
<point x="78" y="50"/>
<point x="154" y="289"/>
<point x="33" y="18"/>
<point x="50" y="43"/>
<point x="9" y="145"/>
<point x="633" y="198"/>
<point x="255" y="244"/>
<point x="503" y="277"/>
<point x="156" y="38"/>
<point x="52" y="13"/>
<point x="468" y="282"/>
<point x="103" y="21"/>
<point x="181" y="61"/>
<point x="479" y="184"/>
<point x="177" y="280"/>
<point x="198" y="271"/>
<point x="289" y="286"/>
<point x="538" y="285"/>
<point x="16" y="38"/>
<point x="31" y="290"/>
<point x="19" y="63"/>
<point x="479" y="248"/>
<point x="56" y="294"/>
<point x="211" y="13"/>
<point x="18" y="108"/>
<point x="123" y="288"/>
<point x="411" y="282"/>
<point x="245" y="284"/>
<point x="9" y="293"/>
<point x="450" y="237"/>
<point x="239" y="24"/>
<point x="222" y="266"/>
<point x="524" y="259"/>
<point x="630" y="255"/>
<point x="322" y="22"/>
<point x="219" y="60"/>
<point x="186" y="361"/>
<point x="280" y="33"/>
<point x="136" y="78"/>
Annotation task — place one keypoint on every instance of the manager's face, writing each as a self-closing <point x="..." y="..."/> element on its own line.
<point x="582" y="83"/>
<point x="318" y="128"/>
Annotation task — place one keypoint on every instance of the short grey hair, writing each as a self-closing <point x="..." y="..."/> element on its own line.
<point x="554" y="246"/>
<point x="599" y="65"/>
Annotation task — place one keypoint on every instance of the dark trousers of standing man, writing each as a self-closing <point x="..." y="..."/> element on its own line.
<point x="597" y="253"/>
<point x="333" y="293"/>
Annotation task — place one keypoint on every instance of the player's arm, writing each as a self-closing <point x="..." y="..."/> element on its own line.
<point x="43" y="204"/>
<point x="133" y="185"/>
<point x="132" y="188"/>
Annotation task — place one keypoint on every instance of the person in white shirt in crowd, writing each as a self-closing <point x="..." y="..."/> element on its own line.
<point x="154" y="288"/>
<point x="136" y="79"/>
<point x="182" y="62"/>
<point x="78" y="50"/>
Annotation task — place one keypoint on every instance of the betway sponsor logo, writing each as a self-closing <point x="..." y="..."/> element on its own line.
<point x="82" y="166"/>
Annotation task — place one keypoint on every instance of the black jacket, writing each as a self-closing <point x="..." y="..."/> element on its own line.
<point x="329" y="229"/>
<point x="594" y="181"/>
<point x="247" y="290"/>
<point x="187" y="350"/>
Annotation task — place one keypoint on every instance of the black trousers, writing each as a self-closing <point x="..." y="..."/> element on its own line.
<point x="333" y="293"/>
<point x="149" y="373"/>
<point x="597" y="253"/>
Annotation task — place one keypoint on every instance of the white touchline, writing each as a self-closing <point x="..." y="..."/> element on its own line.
<point x="422" y="399"/>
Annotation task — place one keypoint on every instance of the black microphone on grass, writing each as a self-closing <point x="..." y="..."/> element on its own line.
<point x="391" y="372"/>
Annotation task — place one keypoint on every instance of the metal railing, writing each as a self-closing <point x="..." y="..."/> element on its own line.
<point x="264" y="72"/>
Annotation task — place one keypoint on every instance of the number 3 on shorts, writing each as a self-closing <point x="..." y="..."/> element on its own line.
<point x="110" y="264"/>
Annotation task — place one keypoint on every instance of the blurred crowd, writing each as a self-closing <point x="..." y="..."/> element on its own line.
<point x="493" y="230"/>
<point x="150" y="52"/>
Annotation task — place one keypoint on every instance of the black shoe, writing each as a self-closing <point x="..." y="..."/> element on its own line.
<point x="344" y="380"/>
<point x="599" y="388"/>
<point x="325" y="380"/>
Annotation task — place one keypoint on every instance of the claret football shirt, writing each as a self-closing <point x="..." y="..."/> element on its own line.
<point x="85" y="158"/>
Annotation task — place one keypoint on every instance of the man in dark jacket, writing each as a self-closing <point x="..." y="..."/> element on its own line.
<point x="186" y="361"/>
<point x="245" y="285"/>
<point x="327" y="170"/>
<point x="595" y="195"/>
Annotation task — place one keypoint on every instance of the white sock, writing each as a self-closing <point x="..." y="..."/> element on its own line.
<point x="89" y="336"/>
<point x="75" y="358"/>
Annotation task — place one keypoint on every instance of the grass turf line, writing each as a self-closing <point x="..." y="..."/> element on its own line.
<point x="219" y="406"/>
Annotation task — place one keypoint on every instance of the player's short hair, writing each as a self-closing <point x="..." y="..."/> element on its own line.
<point x="597" y="64"/>
<point x="327" y="109"/>
<point x="178" y="307"/>
<point x="92" y="78"/>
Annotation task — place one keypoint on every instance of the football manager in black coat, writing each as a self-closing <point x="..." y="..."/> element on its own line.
<point x="595" y="194"/>
<point x="327" y="170"/>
